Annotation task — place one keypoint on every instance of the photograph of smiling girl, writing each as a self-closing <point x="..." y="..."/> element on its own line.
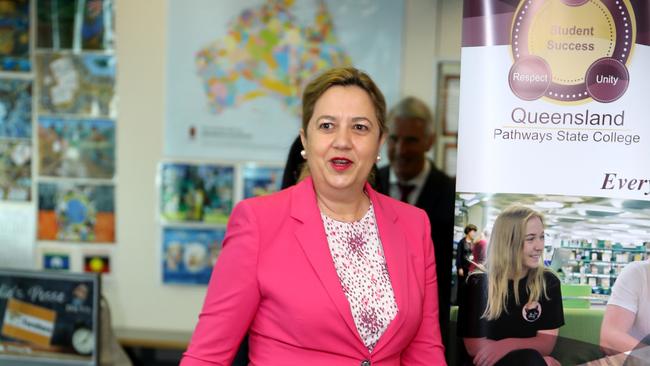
<point x="512" y="296"/>
<point x="582" y="243"/>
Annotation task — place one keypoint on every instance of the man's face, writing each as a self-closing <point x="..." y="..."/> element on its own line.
<point x="408" y="142"/>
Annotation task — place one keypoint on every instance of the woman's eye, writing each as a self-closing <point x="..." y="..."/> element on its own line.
<point x="361" y="127"/>
<point x="325" y="125"/>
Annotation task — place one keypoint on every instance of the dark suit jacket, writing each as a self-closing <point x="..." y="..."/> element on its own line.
<point x="437" y="199"/>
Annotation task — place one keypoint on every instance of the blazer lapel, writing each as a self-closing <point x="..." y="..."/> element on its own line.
<point x="312" y="238"/>
<point x="395" y="252"/>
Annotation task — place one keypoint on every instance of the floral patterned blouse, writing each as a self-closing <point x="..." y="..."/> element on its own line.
<point x="360" y="263"/>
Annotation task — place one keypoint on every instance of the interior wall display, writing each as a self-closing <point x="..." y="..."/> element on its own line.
<point x="15" y="169"/>
<point x="14" y="36"/>
<point x="15" y="108"/>
<point x="189" y="254"/>
<point x="237" y="69"/>
<point x="553" y="115"/>
<point x="97" y="263"/>
<point x="17" y="228"/>
<point x="196" y="192"/>
<point x="49" y="318"/>
<point x="261" y="180"/>
<point x="15" y="139"/>
<point x="87" y="25"/>
<point x="76" y="148"/>
<point x="76" y="212"/>
<point x="56" y="260"/>
<point x="80" y="85"/>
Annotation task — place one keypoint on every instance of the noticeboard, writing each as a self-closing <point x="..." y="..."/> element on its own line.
<point x="49" y="318"/>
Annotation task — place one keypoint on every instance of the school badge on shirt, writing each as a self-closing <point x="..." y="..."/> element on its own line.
<point x="531" y="311"/>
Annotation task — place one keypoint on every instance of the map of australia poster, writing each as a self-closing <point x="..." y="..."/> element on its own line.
<point x="236" y="70"/>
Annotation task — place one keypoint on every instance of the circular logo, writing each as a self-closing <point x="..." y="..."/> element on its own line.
<point x="584" y="44"/>
<point x="532" y="311"/>
<point x="530" y="77"/>
<point x="607" y="80"/>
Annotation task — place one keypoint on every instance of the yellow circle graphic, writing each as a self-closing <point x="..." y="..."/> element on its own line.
<point x="571" y="38"/>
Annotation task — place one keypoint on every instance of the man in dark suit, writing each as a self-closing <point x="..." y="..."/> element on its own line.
<point x="413" y="178"/>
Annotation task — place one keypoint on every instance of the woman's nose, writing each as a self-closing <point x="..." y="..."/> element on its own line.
<point x="342" y="138"/>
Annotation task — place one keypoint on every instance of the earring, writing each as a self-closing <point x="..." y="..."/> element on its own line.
<point x="378" y="157"/>
<point x="303" y="153"/>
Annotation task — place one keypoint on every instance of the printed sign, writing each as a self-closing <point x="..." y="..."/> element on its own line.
<point x="27" y="322"/>
<point x="48" y="317"/>
<point x="571" y="76"/>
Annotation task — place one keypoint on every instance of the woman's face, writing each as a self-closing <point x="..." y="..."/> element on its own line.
<point x="533" y="248"/>
<point x="342" y="138"/>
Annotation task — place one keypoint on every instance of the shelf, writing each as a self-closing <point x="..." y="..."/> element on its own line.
<point x="616" y="250"/>
<point x="594" y="298"/>
<point x="598" y="263"/>
<point x="600" y="282"/>
<point x="597" y="275"/>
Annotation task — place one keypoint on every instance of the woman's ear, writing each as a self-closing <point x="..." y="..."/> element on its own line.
<point x="303" y="138"/>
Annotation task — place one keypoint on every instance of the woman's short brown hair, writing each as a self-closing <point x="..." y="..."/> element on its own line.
<point x="342" y="76"/>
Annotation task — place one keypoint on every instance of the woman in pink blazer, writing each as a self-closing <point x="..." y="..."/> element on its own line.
<point x="327" y="272"/>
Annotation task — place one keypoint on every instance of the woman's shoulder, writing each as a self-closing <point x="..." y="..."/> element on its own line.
<point x="637" y="267"/>
<point x="551" y="278"/>
<point x="477" y="278"/>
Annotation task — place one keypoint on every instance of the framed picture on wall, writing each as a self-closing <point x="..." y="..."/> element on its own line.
<point x="260" y="180"/>
<point x="450" y="153"/>
<point x="196" y="192"/>
<point x="189" y="253"/>
<point x="448" y="93"/>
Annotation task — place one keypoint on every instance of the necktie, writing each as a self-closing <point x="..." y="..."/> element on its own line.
<point x="405" y="191"/>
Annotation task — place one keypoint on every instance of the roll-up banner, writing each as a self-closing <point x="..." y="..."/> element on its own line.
<point x="555" y="116"/>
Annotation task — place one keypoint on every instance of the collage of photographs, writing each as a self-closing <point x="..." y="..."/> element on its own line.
<point x="57" y="125"/>
<point x="196" y="200"/>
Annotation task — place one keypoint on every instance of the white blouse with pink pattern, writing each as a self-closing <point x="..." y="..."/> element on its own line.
<point x="360" y="263"/>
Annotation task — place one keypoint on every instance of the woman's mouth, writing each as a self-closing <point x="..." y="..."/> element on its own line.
<point x="340" y="164"/>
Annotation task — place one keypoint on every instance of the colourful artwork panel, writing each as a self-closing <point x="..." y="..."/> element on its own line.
<point x="76" y="148"/>
<point x="80" y="85"/>
<point x="57" y="28"/>
<point x="196" y="192"/>
<point x="14" y="35"/>
<point x="15" y="170"/>
<point x="76" y="212"/>
<point x="15" y="108"/>
<point x="189" y="254"/>
<point x="259" y="181"/>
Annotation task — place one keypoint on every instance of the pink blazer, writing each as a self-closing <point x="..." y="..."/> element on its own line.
<point x="275" y="278"/>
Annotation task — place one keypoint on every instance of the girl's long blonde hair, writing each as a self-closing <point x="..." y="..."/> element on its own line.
<point x="504" y="261"/>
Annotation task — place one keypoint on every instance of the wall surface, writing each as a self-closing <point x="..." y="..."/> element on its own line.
<point x="135" y="291"/>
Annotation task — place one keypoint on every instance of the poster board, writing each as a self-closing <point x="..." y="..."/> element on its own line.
<point x="49" y="317"/>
